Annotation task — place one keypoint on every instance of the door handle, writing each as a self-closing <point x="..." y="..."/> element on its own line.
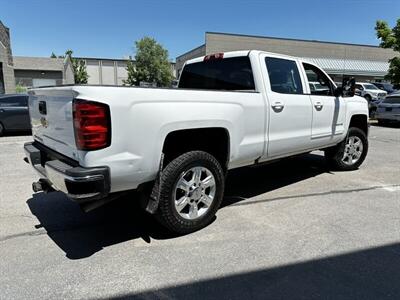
<point x="318" y="105"/>
<point x="277" y="106"/>
<point x="1" y="110"/>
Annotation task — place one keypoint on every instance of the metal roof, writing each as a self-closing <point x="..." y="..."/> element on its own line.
<point x="289" y="39"/>
<point x="38" y="63"/>
<point x="351" y="66"/>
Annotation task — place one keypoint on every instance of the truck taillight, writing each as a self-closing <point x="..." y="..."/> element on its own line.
<point x="91" y="124"/>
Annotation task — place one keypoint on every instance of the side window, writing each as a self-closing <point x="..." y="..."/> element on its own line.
<point x="322" y="84"/>
<point x="359" y="87"/>
<point x="22" y="101"/>
<point x="14" y="101"/>
<point x="284" y="76"/>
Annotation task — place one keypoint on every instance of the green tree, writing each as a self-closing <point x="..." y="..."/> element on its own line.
<point x="20" y="89"/>
<point x="390" y="38"/>
<point x="151" y="64"/>
<point x="79" y="68"/>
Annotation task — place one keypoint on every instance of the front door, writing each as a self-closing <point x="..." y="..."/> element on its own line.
<point x="289" y="114"/>
<point x="328" y="111"/>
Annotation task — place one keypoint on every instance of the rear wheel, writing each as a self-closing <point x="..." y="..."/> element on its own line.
<point x="1" y="129"/>
<point x="190" y="192"/>
<point x="349" y="154"/>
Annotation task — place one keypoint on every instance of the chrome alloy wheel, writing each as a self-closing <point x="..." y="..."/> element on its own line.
<point x="194" y="192"/>
<point x="353" y="150"/>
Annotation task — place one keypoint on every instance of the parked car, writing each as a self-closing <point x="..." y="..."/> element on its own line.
<point x="373" y="106"/>
<point x="369" y="91"/>
<point x="316" y="86"/>
<point x="14" y="114"/>
<point x="388" y="87"/>
<point x="230" y="110"/>
<point x="388" y="110"/>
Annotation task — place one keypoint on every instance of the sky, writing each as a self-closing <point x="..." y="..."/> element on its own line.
<point x="108" y="28"/>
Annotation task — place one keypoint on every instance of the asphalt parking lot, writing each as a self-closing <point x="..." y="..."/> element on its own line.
<point x="291" y="229"/>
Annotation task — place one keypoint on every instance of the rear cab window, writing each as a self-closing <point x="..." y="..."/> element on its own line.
<point x="230" y="74"/>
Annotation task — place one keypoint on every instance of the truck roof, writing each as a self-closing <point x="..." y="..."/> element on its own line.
<point x="237" y="54"/>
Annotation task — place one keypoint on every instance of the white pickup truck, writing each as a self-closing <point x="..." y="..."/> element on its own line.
<point x="230" y="110"/>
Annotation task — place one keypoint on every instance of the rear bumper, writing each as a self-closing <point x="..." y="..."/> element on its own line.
<point x="78" y="183"/>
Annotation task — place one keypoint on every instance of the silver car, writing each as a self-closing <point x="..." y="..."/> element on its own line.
<point x="388" y="110"/>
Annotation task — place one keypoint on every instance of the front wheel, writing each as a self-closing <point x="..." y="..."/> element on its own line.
<point x="190" y="192"/>
<point x="349" y="154"/>
<point x="1" y="129"/>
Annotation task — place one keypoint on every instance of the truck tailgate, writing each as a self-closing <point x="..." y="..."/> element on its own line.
<point x="52" y="121"/>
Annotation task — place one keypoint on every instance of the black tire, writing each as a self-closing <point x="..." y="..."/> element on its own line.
<point x="166" y="213"/>
<point x="1" y="129"/>
<point x="368" y="98"/>
<point x="335" y="154"/>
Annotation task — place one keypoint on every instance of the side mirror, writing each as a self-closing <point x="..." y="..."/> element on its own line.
<point x="338" y="92"/>
<point x="348" y="87"/>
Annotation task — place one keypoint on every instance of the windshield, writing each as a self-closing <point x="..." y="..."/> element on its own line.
<point x="370" y="87"/>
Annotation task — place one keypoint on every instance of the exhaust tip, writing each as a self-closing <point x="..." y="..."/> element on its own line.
<point x="42" y="186"/>
<point x="37" y="187"/>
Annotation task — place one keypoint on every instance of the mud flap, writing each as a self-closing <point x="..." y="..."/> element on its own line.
<point x="152" y="204"/>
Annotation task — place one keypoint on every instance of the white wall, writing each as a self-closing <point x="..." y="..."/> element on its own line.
<point x="93" y="70"/>
<point x="108" y="72"/>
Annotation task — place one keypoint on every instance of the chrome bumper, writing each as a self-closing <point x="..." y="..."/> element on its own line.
<point x="80" y="184"/>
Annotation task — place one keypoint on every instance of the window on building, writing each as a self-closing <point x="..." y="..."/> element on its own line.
<point x="284" y="76"/>
<point x="321" y="83"/>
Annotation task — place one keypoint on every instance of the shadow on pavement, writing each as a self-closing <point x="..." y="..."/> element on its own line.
<point x="387" y="125"/>
<point x="18" y="133"/>
<point x="367" y="274"/>
<point x="81" y="235"/>
<point x="248" y="182"/>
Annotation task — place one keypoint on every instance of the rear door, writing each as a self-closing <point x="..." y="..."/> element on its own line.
<point x="14" y="112"/>
<point x="328" y="111"/>
<point x="289" y="110"/>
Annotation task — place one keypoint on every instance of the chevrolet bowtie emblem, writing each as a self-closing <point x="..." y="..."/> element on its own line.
<point x="44" y="122"/>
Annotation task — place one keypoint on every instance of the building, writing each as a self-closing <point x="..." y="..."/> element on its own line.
<point x="109" y="71"/>
<point x="17" y="71"/>
<point x="364" y="62"/>
<point x="20" y="72"/>
<point x="42" y="71"/>
<point x="7" y="82"/>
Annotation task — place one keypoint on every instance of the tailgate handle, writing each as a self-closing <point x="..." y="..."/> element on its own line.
<point x="42" y="107"/>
